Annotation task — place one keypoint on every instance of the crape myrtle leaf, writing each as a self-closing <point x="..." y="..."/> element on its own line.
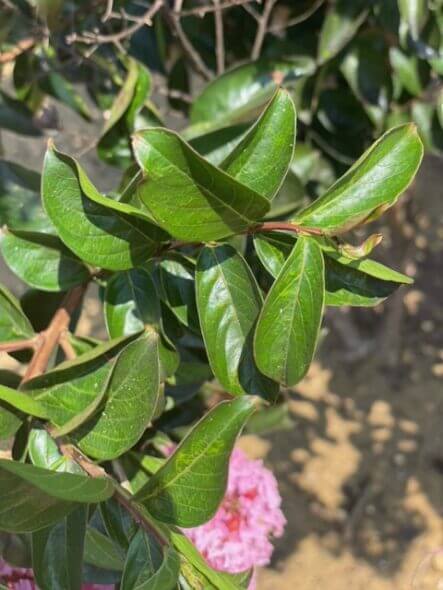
<point x="32" y="498"/>
<point x="131" y="303"/>
<point x="68" y="487"/>
<point x="288" y="326"/>
<point x="42" y="261"/>
<point x="57" y="553"/>
<point x="408" y="70"/>
<point x="216" y="145"/>
<point x="10" y="421"/>
<point x="361" y="250"/>
<point x="16" y="117"/>
<point x="149" y="566"/>
<point x="239" y="94"/>
<point x="177" y="276"/>
<point x="220" y="580"/>
<point x="118" y="522"/>
<point x="373" y="183"/>
<point x="101" y="231"/>
<point x="361" y="282"/>
<point x="14" y="325"/>
<point x="261" y="160"/>
<point x="20" y="197"/>
<point x="341" y="23"/>
<point x="114" y="146"/>
<point x="414" y="13"/>
<point x="212" y="204"/>
<point x="43" y="452"/>
<point x="22" y="402"/>
<point x="61" y="89"/>
<point x="365" y="67"/>
<point x="102" y="552"/>
<point x="74" y="385"/>
<point x="229" y="302"/>
<point x="189" y="487"/>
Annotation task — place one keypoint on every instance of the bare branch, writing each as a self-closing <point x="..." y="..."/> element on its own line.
<point x="18" y="345"/>
<point x="66" y="346"/>
<point x="202" y="10"/>
<point x="219" y="37"/>
<point x="262" y="28"/>
<point x="90" y="38"/>
<point x="21" y="47"/>
<point x="297" y="19"/>
<point x="108" y="11"/>
<point x="193" y="57"/>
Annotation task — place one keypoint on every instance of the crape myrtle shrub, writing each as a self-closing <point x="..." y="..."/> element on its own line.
<point x="215" y="256"/>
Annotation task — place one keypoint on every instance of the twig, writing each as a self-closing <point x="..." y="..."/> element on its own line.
<point x="297" y="19"/>
<point x="97" y="38"/>
<point x="201" y="11"/>
<point x="194" y="58"/>
<point x="262" y="28"/>
<point x="284" y="226"/>
<point x="173" y="93"/>
<point x="19" y="345"/>
<point x="49" y="338"/>
<point x="21" y="47"/>
<point x="219" y="37"/>
<point x="66" y="346"/>
<point x="108" y="11"/>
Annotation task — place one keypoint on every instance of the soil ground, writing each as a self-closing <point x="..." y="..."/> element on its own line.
<point x="361" y="472"/>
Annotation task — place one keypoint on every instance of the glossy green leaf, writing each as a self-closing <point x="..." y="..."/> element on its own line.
<point x="229" y="302"/>
<point x="239" y="94"/>
<point x="102" y="552"/>
<point x="177" y="276"/>
<point x="43" y="452"/>
<point x="253" y="161"/>
<point x="189" y="487"/>
<point x="101" y="231"/>
<point x="10" y="421"/>
<point x="128" y="384"/>
<point x="131" y="303"/>
<point x="374" y="183"/>
<point x="57" y="553"/>
<point x="42" y="261"/>
<point x="149" y="566"/>
<point x="407" y="70"/>
<point x="33" y="498"/>
<point x="288" y="326"/>
<point x="22" y="402"/>
<point x="346" y="281"/>
<point x="14" y="325"/>
<point x="212" y="204"/>
<point x="341" y="23"/>
<point x="414" y="13"/>
<point x="20" y="197"/>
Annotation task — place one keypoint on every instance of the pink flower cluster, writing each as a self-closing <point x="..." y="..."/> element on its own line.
<point x="237" y="539"/>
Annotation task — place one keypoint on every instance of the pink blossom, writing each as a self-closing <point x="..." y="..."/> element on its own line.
<point x="238" y="536"/>
<point x="17" y="578"/>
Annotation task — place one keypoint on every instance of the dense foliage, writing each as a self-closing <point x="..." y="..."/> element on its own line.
<point x="215" y="256"/>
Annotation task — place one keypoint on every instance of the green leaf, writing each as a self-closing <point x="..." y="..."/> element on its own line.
<point x="59" y="87"/>
<point x="20" y="197"/>
<point x="74" y="386"/>
<point x="114" y="146"/>
<point x="43" y="452"/>
<point x="341" y="23"/>
<point x="239" y="94"/>
<point x="407" y="70"/>
<point x="346" y="280"/>
<point x="288" y="326"/>
<point x="149" y="566"/>
<point x="253" y="161"/>
<point x="22" y="402"/>
<point x="10" y="421"/>
<point x="373" y="184"/>
<point x="101" y="231"/>
<point x="33" y="498"/>
<point x="102" y="552"/>
<point x="189" y="487"/>
<point x="57" y="553"/>
<point x="177" y="276"/>
<point x="229" y="302"/>
<point x="14" y="325"/>
<point x="212" y="204"/>
<point x="131" y="303"/>
<point x="42" y="261"/>
<point x="118" y="522"/>
<point x="415" y="14"/>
